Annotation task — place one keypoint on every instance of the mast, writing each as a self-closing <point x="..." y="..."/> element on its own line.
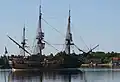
<point x="5" y="51"/>
<point x="40" y="34"/>
<point x="23" y="42"/>
<point x="68" y="40"/>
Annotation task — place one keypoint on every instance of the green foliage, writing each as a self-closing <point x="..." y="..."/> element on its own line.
<point x="4" y="63"/>
<point x="105" y="57"/>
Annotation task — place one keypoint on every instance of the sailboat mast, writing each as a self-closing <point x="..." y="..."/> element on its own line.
<point x="40" y="34"/>
<point x="23" y="42"/>
<point x="40" y="28"/>
<point x="68" y="36"/>
<point x="69" y="41"/>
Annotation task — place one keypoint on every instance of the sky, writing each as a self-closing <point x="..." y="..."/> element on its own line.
<point x="94" y="21"/>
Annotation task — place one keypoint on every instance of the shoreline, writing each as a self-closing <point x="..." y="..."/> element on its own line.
<point x="100" y="66"/>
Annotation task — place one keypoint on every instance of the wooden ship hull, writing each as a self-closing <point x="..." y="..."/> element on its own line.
<point x="24" y="63"/>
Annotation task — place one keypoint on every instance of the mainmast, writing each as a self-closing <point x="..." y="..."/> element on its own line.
<point x="68" y="40"/>
<point x="40" y="35"/>
<point x="23" y="42"/>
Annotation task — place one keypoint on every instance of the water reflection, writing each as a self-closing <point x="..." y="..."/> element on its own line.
<point x="88" y="75"/>
<point x="23" y="76"/>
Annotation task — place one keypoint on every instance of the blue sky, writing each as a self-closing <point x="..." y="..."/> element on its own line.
<point x="96" y="21"/>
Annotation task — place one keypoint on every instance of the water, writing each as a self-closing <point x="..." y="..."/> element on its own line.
<point x="87" y="75"/>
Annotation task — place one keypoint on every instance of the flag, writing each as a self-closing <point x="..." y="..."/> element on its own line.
<point x="6" y="50"/>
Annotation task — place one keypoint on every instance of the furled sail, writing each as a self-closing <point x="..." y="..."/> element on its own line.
<point x="68" y="39"/>
<point x="40" y="35"/>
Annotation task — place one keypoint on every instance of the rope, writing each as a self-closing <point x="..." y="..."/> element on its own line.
<point x="53" y="27"/>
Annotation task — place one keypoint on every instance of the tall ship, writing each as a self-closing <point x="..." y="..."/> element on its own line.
<point x="63" y="59"/>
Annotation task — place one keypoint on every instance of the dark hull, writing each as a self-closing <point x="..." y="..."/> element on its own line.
<point x="47" y="67"/>
<point x="39" y="66"/>
<point x="42" y="63"/>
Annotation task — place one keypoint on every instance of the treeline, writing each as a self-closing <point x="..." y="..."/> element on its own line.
<point x="99" y="56"/>
<point x="4" y="63"/>
<point x="104" y="57"/>
<point x="103" y="54"/>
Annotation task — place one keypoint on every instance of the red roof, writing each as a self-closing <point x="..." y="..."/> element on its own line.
<point x="115" y="58"/>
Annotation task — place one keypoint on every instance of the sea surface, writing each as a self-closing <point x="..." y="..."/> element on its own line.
<point x="84" y="75"/>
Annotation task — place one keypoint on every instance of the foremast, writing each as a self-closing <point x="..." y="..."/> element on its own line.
<point x="40" y="35"/>
<point x="68" y="40"/>
<point x="23" y="42"/>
